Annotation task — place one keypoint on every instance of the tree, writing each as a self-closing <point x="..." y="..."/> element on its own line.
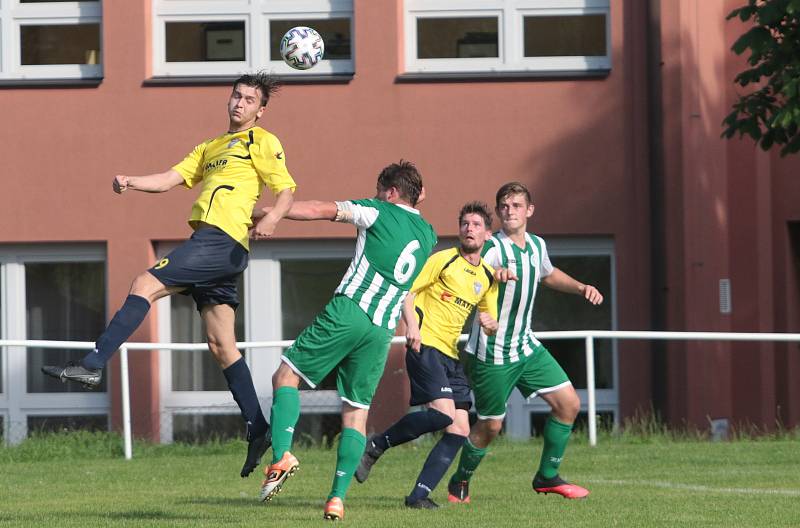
<point x="770" y="114"/>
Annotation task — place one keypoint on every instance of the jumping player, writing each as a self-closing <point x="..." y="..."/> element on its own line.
<point x="452" y="283"/>
<point x="231" y="171"/>
<point x="513" y="357"/>
<point x="352" y="334"/>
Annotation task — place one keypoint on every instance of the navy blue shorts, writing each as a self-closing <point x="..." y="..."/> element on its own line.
<point x="208" y="265"/>
<point x="434" y="375"/>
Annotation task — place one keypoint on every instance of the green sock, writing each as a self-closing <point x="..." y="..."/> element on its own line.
<point x="556" y="436"/>
<point x="285" y="412"/>
<point x="351" y="447"/>
<point x="471" y="456"/>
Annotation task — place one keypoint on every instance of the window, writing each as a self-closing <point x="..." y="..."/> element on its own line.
<point x="65" y="301"/>
<point x="502" y="36"/>
<point x="51" y="292"/>
<point x="50" y="40"/>
<point x="229" y="37"/>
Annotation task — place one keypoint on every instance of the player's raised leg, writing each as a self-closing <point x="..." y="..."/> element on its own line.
<point x="565" y="405"/>
<point x="145" y="290"/>
<point x="219" y="320"/>
<point x="285" y="413"/>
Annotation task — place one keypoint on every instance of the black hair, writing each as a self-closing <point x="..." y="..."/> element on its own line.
<point x="266" y="84"/>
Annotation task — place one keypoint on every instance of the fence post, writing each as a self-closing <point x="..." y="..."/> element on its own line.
<point x="590" y="390"/>
<point x="126" y="404"/>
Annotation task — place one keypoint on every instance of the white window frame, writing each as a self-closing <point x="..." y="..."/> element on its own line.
<point x="16" y="404"/>
<point x="256" y="15"/>
<point x="518" y="414"/>
<point x="510" y="15"/>
<point x="14" y="14"/>
<point x="263" y="317"/>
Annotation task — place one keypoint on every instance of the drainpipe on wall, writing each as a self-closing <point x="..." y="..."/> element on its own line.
<point x="658" y="270"/>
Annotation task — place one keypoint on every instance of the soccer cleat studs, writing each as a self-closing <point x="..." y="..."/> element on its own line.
<point x="277" y="474"/>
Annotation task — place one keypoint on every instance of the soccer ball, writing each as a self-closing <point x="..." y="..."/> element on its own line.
<point x="302" y="48"/>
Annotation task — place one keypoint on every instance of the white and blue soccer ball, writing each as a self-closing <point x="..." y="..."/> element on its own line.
<point x="302" y="48"/>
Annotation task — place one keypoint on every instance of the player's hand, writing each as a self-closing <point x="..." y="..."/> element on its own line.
<point x="264" y="228"/>
<point x="413" y="339"/>
<point x="504" y="275"/>
<point x="488" y="323"/>
<point x="258" y="214"/>
<point x="591" y="294"/>
<point x="120" y="183"/>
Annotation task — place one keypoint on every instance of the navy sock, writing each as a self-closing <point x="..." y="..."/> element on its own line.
<point x="436" y="465"/>
<point x="240" y="382"/>
<point x="411" y="426"/>
<point x="124" y="323"/>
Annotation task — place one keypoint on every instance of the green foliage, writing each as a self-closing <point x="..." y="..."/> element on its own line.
<point x="770" y="114"/>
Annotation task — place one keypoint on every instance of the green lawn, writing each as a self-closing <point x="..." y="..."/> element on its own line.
<point x="634" y="482"/>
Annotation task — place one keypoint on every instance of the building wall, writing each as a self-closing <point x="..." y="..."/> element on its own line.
<point x="581" y="144"/>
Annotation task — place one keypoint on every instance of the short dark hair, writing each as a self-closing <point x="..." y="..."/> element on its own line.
<point x="266" y="83"/>
<point x="403" y="176"/>
<point x="478" y="208"/>
<point x="512" y="188"/>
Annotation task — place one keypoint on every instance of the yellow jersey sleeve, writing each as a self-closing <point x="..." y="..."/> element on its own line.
<point x="191" y="168"/>
<point x="488" y="302"/>
<point x="269" y="161"/>
<point x="431" y="270"/>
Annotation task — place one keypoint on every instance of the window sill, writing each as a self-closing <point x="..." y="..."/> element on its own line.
<point x="500" y="76"/>
<point x="210" y="80"/>
<point x="51" y="83"/>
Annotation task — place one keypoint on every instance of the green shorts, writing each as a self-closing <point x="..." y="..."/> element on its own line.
<point x="492" y="384"/>
<point x="342" y="337"/>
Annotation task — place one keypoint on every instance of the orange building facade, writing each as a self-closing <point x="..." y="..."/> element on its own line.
<point x="609" y="110"/>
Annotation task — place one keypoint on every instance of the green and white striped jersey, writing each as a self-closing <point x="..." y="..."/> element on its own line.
<point x="393" y="243"/>
<point x="514" y="339"/>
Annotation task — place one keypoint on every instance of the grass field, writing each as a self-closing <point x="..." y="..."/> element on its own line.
<point x="81" y="480"/>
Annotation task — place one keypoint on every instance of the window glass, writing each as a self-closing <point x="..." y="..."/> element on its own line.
<point x="60" y="44"/>
<point x="65" y="301"/>
<point x="335" y="32"/>
<point x="306" y="287"/>
<point x="562" y="36"/>
<point x="196" y="370"/>
<point x="449" y="38"/>
<point x="205" y="41"/>
<point x="558" y="311"/>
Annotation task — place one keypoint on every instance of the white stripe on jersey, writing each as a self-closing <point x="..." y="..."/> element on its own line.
<point x="518" y="328"/>
<point x="384" y="302"/>
<point x="351" y="269"/>
<point x="396" y="310"/>
<point x="374" y="287"/>
<point x="508" y="300"/>
<point x="355" y="282"/>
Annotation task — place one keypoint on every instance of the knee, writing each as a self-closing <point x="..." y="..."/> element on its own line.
<point x="459" y="429"/>
<point x="440" y="419"/>
<point x="142" y="286"/>
<point x="284" y="377"/>
<point x="493" y="428"/>
<point x="568" y="408"/>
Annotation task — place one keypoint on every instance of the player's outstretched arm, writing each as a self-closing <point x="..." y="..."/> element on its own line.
<point x="152" y="183"/>
<point x="266" y="223"/>
<point x="303" y="210"/>
<point x="488" y="323"/>
<point x="560" y="281"/>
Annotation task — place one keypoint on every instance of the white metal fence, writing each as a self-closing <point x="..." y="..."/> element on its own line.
<point x="587" y="335"/>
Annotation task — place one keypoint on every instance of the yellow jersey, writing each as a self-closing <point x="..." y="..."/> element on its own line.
<point x="233" y="169"/>
<point x="447" y="290"/>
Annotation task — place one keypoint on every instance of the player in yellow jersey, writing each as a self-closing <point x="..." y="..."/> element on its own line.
<point x="452" y="283"/>
<point x="231" y="171"/>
